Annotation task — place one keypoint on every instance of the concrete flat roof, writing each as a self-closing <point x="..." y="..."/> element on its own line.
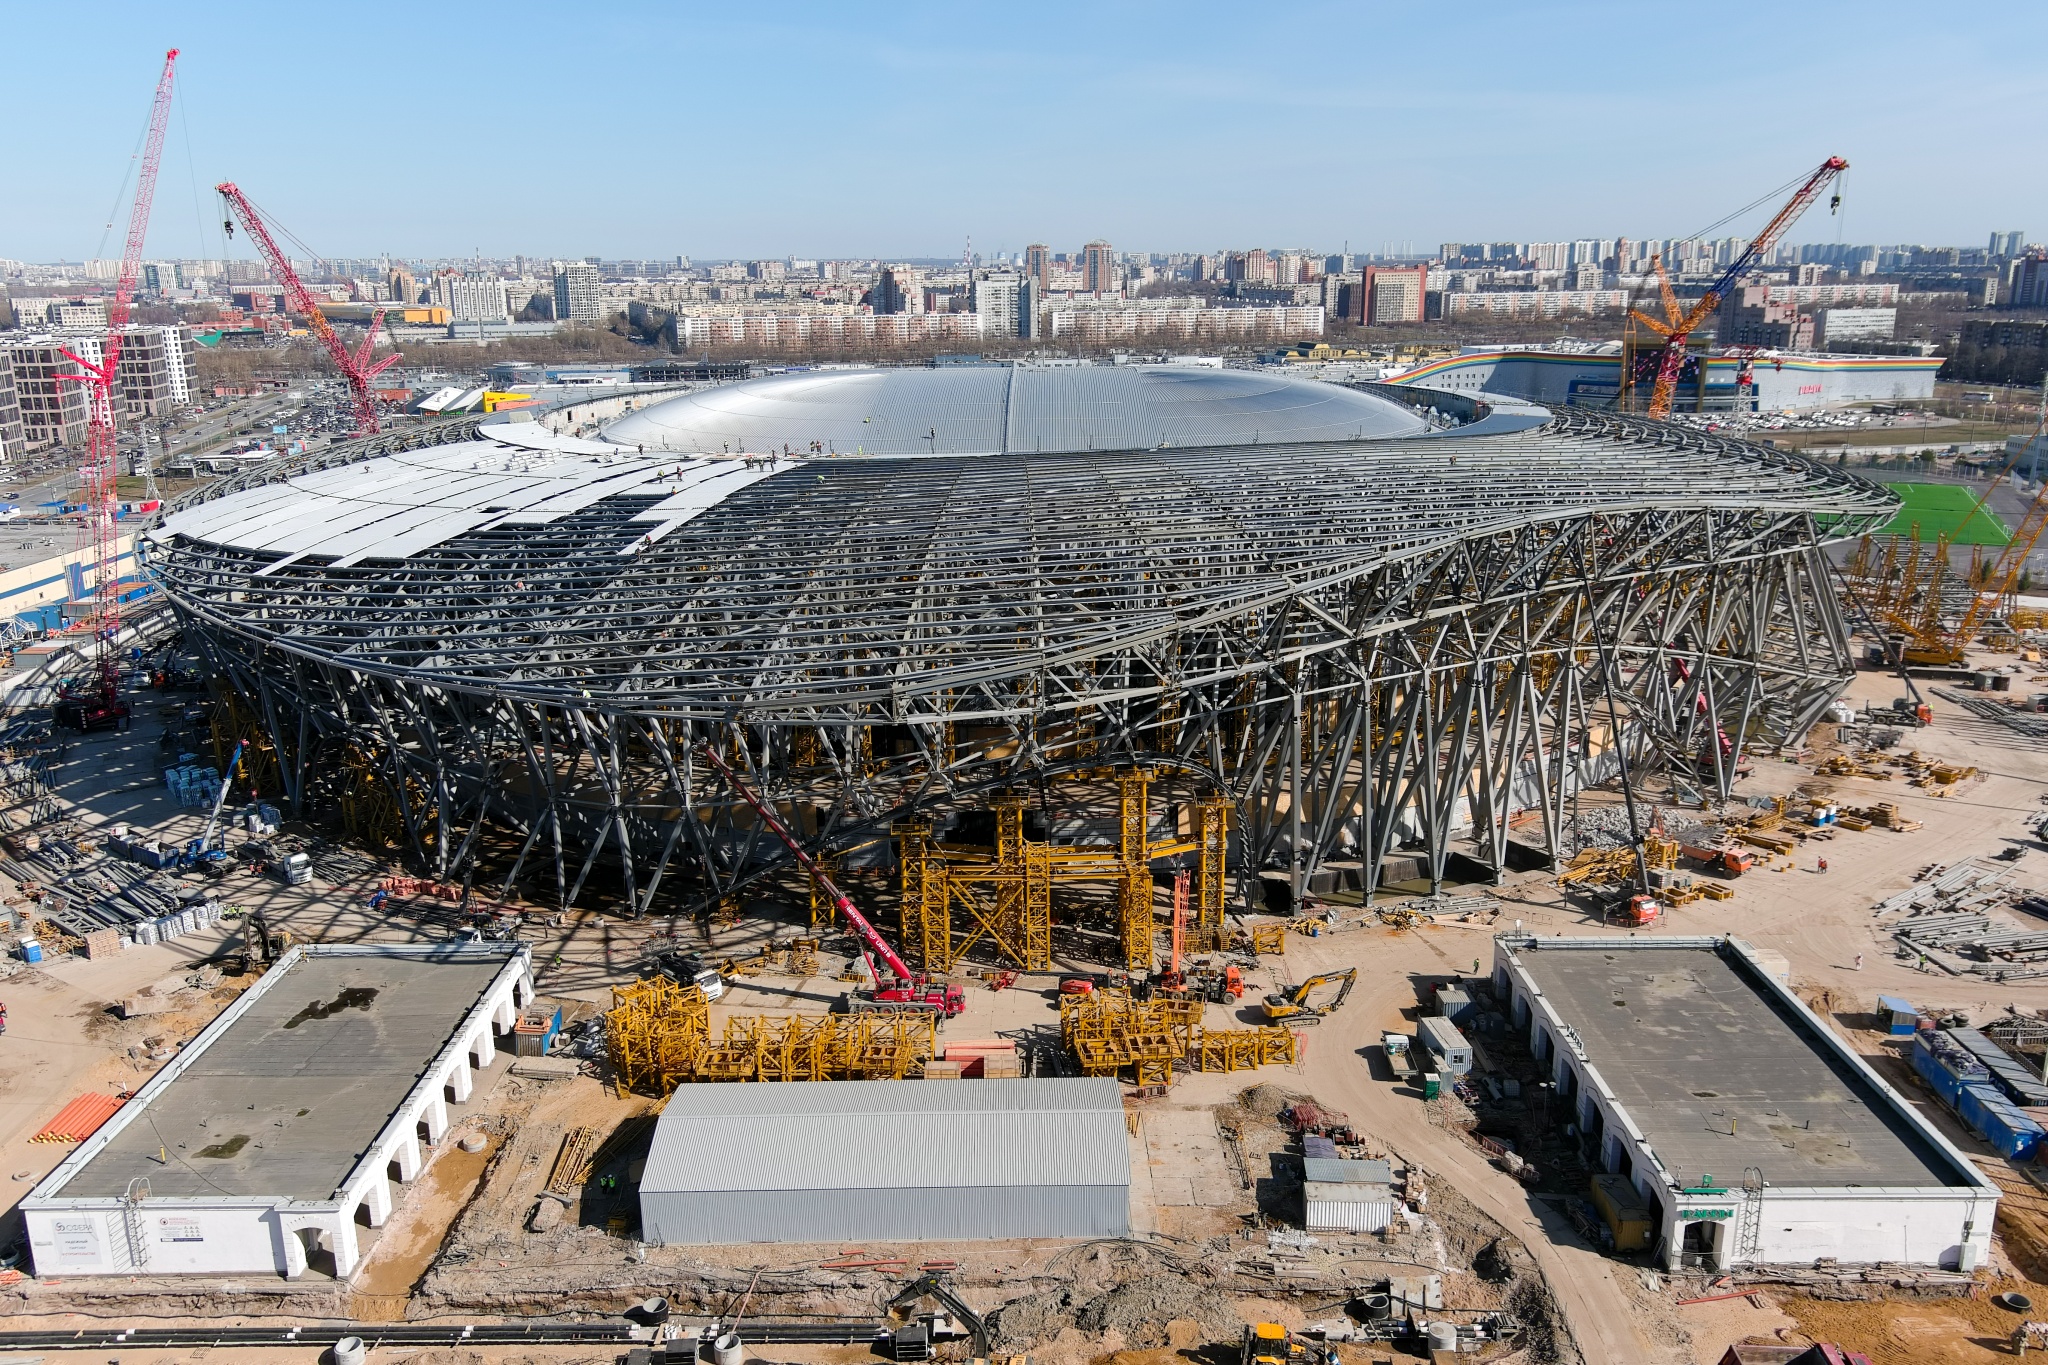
<point x="1719" y="1074"/>
<point x="286" y="1100"/>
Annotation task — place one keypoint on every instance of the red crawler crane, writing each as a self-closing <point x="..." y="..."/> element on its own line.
<point x="356" y="365"/>
<point x="97" y="538"/>
<point x="909" y="990"/>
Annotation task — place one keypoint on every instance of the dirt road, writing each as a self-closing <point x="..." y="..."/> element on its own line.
<point x="1602" y="1319"/>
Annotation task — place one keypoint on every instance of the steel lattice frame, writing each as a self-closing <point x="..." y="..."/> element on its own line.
<point x="1369" y="647"/>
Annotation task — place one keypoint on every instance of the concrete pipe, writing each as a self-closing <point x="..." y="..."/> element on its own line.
<point x="727" y="1350"/>
<point x="350" y="1351"/>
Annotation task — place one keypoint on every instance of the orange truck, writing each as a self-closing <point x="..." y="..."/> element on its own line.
<point x="1728" y="862"/>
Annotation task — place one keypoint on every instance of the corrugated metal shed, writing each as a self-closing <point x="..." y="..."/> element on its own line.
<point x="1348" y="1172"/>
<point x="1444" y="1042"/>
<point x="888" y="1160"/>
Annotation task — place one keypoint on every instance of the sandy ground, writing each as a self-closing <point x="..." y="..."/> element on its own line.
<point x="61" y="1043"/>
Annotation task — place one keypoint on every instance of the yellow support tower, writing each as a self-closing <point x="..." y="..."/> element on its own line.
<point x="1134" y="892"/>
<point x="1037" y="907"/>
<point x="1006" y="925"/>
<point x="926" y="917"/>
<point x="1212" y="835"/>
<point x="822" y="910"/>
<point x="654" y="1032"/>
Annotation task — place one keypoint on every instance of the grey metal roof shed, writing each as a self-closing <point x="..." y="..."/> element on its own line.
<point x="888" y="1161"/>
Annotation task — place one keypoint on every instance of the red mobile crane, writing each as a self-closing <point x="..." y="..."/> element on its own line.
<point x="96" y="533"/>
<point x="1676" y="327"/>
<point x="356" y="366"/>
<point x="909" y="990"/>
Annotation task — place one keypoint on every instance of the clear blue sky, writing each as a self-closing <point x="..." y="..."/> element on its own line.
<point x="636" y="129"/>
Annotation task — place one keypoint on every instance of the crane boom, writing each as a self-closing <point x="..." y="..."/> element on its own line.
<point x="96" y="534"/>
<point x="872" y="943"/>
<point x="1677" y="328"/>
<point x="354" y="367"/>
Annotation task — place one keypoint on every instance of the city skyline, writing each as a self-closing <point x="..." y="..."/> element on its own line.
<point x="638" y="132"/>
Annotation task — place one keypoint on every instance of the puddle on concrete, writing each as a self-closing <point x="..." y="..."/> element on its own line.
<point x="354" y="998"/>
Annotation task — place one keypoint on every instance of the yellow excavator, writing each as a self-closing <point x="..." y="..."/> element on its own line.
<point x="1268" y="1343"/>
<point x="1294" y="1007"/>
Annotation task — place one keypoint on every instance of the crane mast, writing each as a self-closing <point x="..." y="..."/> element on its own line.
<point x="1677" y="327"/>
<point x="355" y="366"/>
<point x="97" y="536"/>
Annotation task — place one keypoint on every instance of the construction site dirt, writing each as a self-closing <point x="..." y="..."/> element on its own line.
<point x="1206" y="1253"/>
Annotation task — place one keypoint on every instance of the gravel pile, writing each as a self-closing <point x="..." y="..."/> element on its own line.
<point x="1138" y="1310"/>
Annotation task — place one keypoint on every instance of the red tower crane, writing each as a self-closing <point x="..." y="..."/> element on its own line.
<point x="356" y="366"/>
<point x="96" y="534"/>
<point x="1676" y="327"/>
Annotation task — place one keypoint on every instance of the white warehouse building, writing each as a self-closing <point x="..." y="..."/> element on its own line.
<point x="1784" y="381"/>
<point x="255" y="1148"/>
<point x="1755" y="1135"/>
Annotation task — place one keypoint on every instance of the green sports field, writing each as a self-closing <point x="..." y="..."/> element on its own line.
<point x="1940" y="509"/>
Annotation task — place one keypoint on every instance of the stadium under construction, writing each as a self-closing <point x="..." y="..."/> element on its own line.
<point x="1007" y="628"/>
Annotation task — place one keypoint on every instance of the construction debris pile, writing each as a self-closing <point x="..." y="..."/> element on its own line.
<point x="1110" y="1033"/>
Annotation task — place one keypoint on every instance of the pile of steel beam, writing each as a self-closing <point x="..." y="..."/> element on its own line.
<point x="2032" y="724"/>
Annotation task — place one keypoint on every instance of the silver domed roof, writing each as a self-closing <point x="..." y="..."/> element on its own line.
<point x="997" y="409"/>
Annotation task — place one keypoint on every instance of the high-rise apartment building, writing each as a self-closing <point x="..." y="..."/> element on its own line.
<point x="155" y="374"/>
<point x="897" y="290"/>
<point x="52" y="412"/>
<point x="576" y="291"/>
<point x="1390" y="294"/>
<point x="2027" y="283"/>
<point x="1038" y="263"/>
<point x="474" y="298"/>
<point x="996" y="297"/>
<point x="2008" y="243"/>
<point x="404" y="289"/>
<point x="13" y="442"/>
<point x="1030" y="302"/>
<point x="1098" y="269"/>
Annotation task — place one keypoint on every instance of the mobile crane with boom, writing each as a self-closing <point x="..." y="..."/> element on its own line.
<point x="908" y="990"/>
<point x="1677" y="326"/>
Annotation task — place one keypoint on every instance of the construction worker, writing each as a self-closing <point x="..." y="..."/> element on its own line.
<point x="1823" y="864"/>
<point x="1859" y="962"/>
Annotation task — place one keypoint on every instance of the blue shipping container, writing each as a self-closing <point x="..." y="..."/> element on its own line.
<point x="2013" y="1134"/>
<point x="1974" y="1101"/>
<point x="1946" y="1067"/>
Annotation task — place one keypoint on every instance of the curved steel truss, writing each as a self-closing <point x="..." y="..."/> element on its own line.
<point x="1402" y="648"/>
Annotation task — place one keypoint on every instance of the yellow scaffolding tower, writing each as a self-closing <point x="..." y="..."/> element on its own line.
<point x="653" y="1032"/>
<point x="1134" y="898"/>
<point x="1211" y="834"/>
<point x="1004" y="895"/>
